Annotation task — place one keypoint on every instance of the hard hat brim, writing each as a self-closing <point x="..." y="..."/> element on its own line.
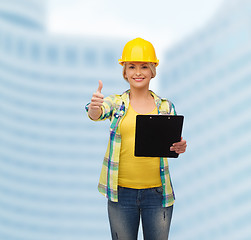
<point x="121" y="62"/>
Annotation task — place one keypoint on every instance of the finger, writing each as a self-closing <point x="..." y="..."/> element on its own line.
<point x="95" y="109"/>
<point x="182" y="149"/>
<point x="98" y="95"/>
<point x="179" y="152"/>
<point x="177" y="144"/>
<point x="181" y="143"/>
<point x="100" y="86"/>
<point x="178" y="148"/>
<point x="96" y="103"/>
<point x="172" y="149"/>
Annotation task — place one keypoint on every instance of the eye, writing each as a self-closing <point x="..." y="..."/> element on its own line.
<point x="131" y="67"/>
<point x="144" y="66"/>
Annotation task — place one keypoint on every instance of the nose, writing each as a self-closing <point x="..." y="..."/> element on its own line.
<point x="138" y="72"/>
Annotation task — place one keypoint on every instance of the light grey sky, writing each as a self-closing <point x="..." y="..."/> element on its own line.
<point x="162" y="22"/>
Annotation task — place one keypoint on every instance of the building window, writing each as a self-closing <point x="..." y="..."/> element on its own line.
<point x="52" y="54"/>
<point x="109" y="59"/>
<point x="71" y="56"/>
<point x="8" y="43"/>
<point x="1" y="40"/>
<point x="90" y="57"/>
<point x="35" y="51"/>
<point x="20" y="48"/>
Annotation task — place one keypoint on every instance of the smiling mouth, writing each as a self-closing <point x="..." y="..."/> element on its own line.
<point x="138" y="79"/>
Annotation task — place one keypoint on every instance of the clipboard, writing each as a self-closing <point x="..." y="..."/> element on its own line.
<point x="155" y="134"/>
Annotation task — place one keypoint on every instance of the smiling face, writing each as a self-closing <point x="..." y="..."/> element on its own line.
<point x="138" y="74"/>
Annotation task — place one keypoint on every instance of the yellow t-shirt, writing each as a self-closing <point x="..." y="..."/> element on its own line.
<point x="136" y="172"/>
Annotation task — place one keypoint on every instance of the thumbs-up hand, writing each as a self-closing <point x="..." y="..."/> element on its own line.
<point x="97" y="97"/>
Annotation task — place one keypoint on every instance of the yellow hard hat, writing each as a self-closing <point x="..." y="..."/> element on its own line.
<point x="139" y="50"/>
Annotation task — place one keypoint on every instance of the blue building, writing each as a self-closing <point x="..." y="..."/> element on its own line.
<point x="208" y="77"/>
<point x="50" y="152"/>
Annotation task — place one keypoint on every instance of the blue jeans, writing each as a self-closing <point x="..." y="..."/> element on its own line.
<point x="124" y="215"/>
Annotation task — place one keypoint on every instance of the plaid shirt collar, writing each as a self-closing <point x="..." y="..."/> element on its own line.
<point x="126" y="95"/>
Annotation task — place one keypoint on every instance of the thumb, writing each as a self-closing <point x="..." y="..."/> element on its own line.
<point x="100" y="86"/>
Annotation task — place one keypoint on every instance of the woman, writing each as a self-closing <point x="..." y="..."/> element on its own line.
<point x="135" y="186"/>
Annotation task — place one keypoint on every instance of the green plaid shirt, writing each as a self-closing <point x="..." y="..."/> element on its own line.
<point x="114" y="108"/>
